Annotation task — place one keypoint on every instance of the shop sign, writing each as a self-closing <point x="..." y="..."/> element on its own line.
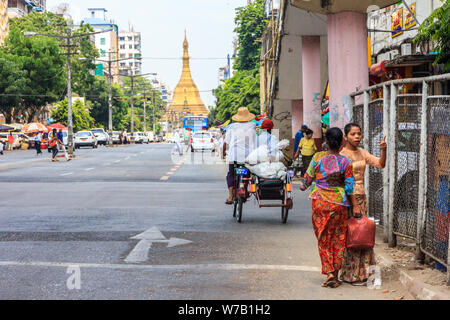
<point x="397" y="23"/>
<point x="409" y="19"/>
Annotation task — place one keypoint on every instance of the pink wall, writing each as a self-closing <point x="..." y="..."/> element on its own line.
<point x="312" y="96"/>
<point x="347" y="61"/>
<point x="297" y="116"/>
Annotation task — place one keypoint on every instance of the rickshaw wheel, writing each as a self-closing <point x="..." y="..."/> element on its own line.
<point x="239" y="213"/>
<point x="284" y="214"/>
<point x="235" y="204"/>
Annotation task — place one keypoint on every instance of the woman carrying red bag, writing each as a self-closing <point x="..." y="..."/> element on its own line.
<point x="356" y="264"/>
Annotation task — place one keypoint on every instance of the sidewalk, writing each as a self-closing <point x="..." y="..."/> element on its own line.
<point x="423" y="282"/>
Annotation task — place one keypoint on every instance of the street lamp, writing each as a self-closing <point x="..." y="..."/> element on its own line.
<point x="68" y="38"/>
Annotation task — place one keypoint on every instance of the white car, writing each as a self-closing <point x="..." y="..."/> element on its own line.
<point x="116" y="137"/>
<point x="85" y="139"/>
<point x="150" y="136"/>
<point x="101" y="135"/>
<point x="203" y="141"/>
<point x="141" y="137"/>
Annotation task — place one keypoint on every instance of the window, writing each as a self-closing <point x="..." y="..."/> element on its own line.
<point x="137" y="55"/>
<point x="137" y="47"/>
<point x="130" y="46"/>
<point x="130" y="38"/>
<point x="103" y="41"/>
<point x="122" y="39"/>
<point x="103" y="53"/>
<point x="123" y="56"/>
<point x="131" y="64"/>
<point x="123" y="64"/>
<point x="122" y="46"/>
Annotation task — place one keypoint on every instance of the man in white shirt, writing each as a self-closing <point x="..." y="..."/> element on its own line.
<point x="37" y="143"/>
<point x="178" y="143"/>
<point x="240" y="141"/>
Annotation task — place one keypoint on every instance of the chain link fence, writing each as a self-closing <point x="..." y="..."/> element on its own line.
<point x="436" y="224"/>
<point x="412" y="199"/>
<point x="407" y="147"/>
<point x="376" y="134"/>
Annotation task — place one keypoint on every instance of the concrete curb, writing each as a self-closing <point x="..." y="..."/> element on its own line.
<point x="420" y="290"/>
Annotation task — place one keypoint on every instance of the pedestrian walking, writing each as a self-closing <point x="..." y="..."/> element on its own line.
<point x="10" y="142"/>
<point x="308" y="148"/>
<point x="1" y="147"/>
<point x="37" y="143"/>
<point x="53" y="145"/>
<point x="176" y="137"/>
<point x="61" y="145"/>
<point x="331" y="195"/>
<point x="125" y="137"/>
<point x="355" y="268"/>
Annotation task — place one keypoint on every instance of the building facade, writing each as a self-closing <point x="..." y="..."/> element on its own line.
<point x="106" y="42"/>
<point x="4" y="25"/>
<point x="130" y="47"/>
<point x="20" y="8"/>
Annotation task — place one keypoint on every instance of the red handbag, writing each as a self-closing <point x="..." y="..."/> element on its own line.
<point x="360" y="233"/>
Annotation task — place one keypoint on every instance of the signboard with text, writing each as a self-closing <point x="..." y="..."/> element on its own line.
<point x="409" y="19"/>
<point x="397" y="23"/>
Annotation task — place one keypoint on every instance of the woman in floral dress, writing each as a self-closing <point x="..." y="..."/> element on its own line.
<point x="330" y="195"/>
<point x="355" y="268"/>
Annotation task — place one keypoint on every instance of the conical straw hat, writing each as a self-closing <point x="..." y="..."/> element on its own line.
<point x="244" y="115"/>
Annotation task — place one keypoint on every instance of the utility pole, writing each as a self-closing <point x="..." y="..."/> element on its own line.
<point x="154" y="106"/>
<point x="69" y="93"/>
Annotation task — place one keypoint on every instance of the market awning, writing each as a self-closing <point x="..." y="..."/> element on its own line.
<point x="4" y="127"/>
<point x="410" y="61"/>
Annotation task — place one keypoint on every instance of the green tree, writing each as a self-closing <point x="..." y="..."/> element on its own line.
<point x="436" y="28"/>
<point x="82" y="119"/>
<point x="250" y="26"/>
<point x="212" y="117"/>
<point x="143" y="90"/>
<point x="12" y="80"/>
<point x="241" y="90"/>
<point x="99" y="98"/>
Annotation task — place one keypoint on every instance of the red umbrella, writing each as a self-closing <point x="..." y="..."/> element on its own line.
<point x="57" y="126"/>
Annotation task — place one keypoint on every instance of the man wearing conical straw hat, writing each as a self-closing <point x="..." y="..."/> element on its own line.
<point x="240" y="142"/>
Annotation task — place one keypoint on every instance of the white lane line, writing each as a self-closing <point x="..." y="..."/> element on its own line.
<point x="89" y="169"/>
<point x="117" y="161"/>
<point x="127" y="158"/>
<point x="170" y="173"/>
<point x="165" y="178"/>
<point x="66" y="174"/>
<point x="194" y="267"/>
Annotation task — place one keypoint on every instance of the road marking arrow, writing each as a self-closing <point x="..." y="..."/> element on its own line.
<point x="147" y="238"/>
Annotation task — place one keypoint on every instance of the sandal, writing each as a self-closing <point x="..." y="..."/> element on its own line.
<point x="229" y="203"/>
<point x="331" y="282"/>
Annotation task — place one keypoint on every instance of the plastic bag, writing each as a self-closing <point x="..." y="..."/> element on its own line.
<point x="283" y="144"/>
<point x="267" y="170"/>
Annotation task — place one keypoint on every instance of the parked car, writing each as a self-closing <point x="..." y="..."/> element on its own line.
<point x="141" y="137"/>
<point x="203" y="141"/>
<point x="85" y="139"/>
<point x="101" y="135"/>
<point x="116" y="137"/>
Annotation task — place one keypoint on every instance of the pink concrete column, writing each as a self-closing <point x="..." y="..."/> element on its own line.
<point x="297" y="116"/>
<point x="312" y="98"/>
<point x="347" y="62"/>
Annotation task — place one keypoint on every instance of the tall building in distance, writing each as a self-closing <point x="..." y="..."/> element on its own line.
<point x="130" y="46"/>
<point x="20" y="8"/>
<point x="4" y="25"/>
<point x="106" y="42"/>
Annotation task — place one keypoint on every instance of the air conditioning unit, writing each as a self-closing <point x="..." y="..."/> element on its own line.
<point x="406" y="49"/>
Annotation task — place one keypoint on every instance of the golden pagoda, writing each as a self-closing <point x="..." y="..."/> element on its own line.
<point x="186" y="97"/>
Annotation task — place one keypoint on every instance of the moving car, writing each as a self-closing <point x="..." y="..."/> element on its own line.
<point x="85" y="139"/>
<point x="101" y="135"/>
<point x="203" y="141"/>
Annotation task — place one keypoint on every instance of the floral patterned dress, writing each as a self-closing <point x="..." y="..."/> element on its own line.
<point x="355" y="267"/>
<point x="333" y="176"/>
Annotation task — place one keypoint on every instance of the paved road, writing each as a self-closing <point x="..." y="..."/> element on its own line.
<point x="60" y="218"/>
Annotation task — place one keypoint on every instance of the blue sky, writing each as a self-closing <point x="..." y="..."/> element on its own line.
<point x="209" y="24"/>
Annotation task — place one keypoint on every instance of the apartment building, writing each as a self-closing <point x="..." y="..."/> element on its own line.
<point x="20" y="8"/>
<point x="106" y="42"/>
<point x="130" y="48"/>
<point x="4" y="27"/>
